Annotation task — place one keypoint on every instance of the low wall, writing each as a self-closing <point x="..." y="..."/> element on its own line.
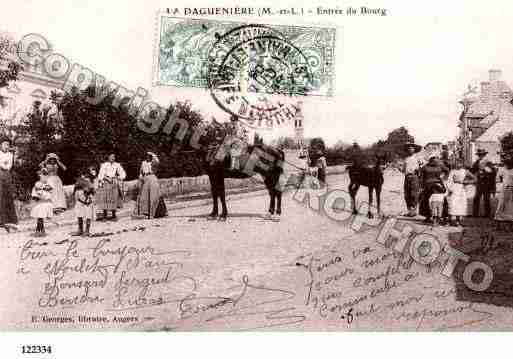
<point x="171" y="187"/>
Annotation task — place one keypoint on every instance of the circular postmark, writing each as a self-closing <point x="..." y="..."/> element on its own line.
<point x="253" y="70"/>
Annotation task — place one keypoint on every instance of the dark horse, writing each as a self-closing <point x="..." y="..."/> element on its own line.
<point x="259" y="159"/>
<point x="371" y="177"/>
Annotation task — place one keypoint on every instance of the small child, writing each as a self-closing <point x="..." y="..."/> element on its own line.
<point x="44" y="207"/>
<point x="84" y="207"/>
<point x="436" y="202"/>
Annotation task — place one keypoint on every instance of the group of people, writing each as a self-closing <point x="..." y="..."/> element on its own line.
<point x="93" y="192"/>
<point x="437" y="189"/>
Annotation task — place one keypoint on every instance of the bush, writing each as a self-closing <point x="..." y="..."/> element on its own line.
<point x="84" y="134"/>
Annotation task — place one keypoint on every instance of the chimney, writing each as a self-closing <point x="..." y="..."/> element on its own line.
<point x="494" y="75"/>
<point x="485" y="89"/>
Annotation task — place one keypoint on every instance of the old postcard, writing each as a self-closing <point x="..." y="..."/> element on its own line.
<point x="262" y="167"/>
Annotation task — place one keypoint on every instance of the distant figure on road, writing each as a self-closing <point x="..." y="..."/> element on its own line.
<point x="411" y="179"/>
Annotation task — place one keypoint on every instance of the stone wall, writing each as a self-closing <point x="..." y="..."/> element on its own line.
<point x="172" y="187"/>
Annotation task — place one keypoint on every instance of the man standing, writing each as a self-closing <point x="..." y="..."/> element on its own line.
<point x="486" y="178"/>
<point x="411" y="179"/>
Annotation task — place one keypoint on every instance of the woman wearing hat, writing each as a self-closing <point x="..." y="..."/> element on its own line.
<point x="8" y="217"/>
<point x="52" y="164"/>
<point x="411" y="179"/>
<point x="431" y="177"/>
<point x="149" y="202"/>
<point x="486" y="183"/>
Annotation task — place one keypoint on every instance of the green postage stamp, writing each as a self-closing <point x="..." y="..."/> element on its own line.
<point x="225" y="56"/>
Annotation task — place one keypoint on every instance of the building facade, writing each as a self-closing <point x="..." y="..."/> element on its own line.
<point x="18" y="98"/>
<point x="487" y="115"/>
<point x="299" y="131"/>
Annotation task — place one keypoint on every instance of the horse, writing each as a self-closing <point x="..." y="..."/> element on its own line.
<point x="257" y="159"/>
<point x="370" y="177"/>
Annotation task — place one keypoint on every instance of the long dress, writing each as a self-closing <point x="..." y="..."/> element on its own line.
<point x="457" y="199"/>
<point x="149" y="201"/>
<point x="7" y="209"/>
<point x="58" y="195"/>
<point x="110" y="179"/>
<point x="505" y="207"/>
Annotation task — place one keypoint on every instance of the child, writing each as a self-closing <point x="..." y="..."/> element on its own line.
<point x="44" y="207"/>
<point x="436" y="202"/>
<point x="84" y="207"/>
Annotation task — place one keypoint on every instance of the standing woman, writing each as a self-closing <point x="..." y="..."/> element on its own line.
<point x="504" y="212"/>
<point x="431" y="177"/>
<point x="110" y="180"/>
<point x="8" y="217"/>
<point x="457" y="199"/>
<point x="149" y="202"/>
<point x="52" y="164"/>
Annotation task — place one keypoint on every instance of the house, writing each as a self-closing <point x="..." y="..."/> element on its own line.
<point x="32" y="85"/>
<point x="486" y="116"/>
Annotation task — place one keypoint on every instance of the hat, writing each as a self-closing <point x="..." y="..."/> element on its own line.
<point x="410" y="144"/>
<point x="5" y="139"/>
<point x="481" y="152"/>
<point x="52" y="156"/>
<point x="438" y="188"/>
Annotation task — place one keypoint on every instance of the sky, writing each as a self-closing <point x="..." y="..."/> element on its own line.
<point x="409" y="68"/>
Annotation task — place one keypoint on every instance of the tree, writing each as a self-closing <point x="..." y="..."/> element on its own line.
<point x="13" y="68"/>
<point x="92" y="131"/>
<point x="396" y="140"/>
<point x="286" y="142"/>
<point x="40" y="131"/>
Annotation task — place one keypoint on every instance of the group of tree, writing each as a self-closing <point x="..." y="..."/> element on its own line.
<point x="392" y="148"/>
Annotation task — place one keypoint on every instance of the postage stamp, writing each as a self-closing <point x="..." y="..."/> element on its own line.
<point x="186" y="47"/>
<point x="251" y="70"/>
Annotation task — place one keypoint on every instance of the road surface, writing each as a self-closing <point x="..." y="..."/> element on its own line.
<point x="315" y="269"/>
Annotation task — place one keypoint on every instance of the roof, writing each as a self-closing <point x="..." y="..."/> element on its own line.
<point x="488" y="102"/>
<point x="501" y="124"/>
